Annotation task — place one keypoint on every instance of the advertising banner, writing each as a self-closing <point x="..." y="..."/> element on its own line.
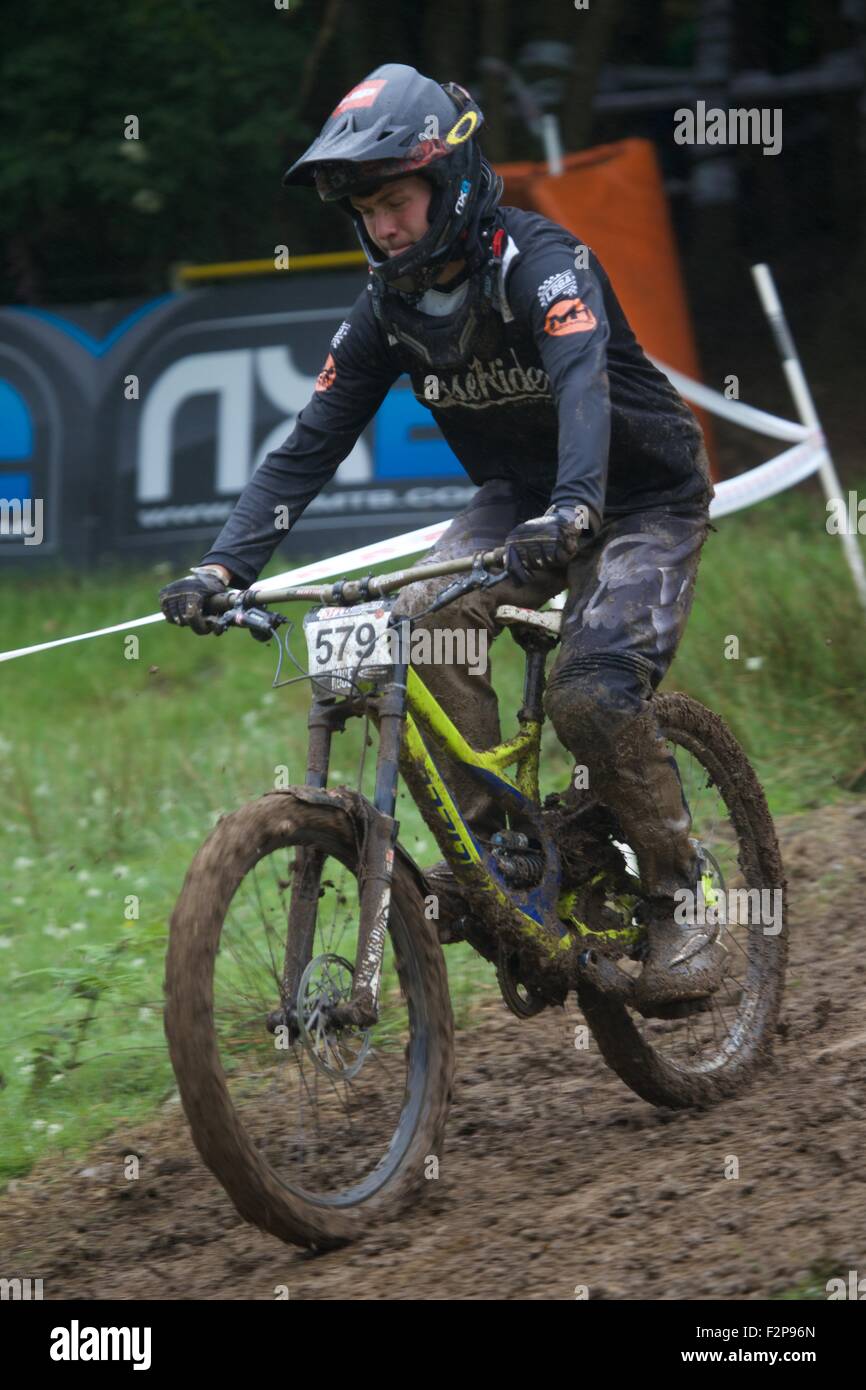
<point x="131" y="428"/>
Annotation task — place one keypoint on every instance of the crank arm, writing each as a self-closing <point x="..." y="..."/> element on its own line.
<point x="601" y="972"/>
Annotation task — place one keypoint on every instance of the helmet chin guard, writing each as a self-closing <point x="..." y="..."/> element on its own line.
<point x="449" y="215"/>
<point x="447" y="341"/>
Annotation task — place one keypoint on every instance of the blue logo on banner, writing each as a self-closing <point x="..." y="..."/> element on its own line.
<point x="16" y="487"/>
<point x="16" y="442"/>
<point x="408" y="442"/>
<point x="16" y="426"/>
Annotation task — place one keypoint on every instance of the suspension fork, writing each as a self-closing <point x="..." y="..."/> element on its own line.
<point x="377" y="866"/>
<point x="377" y="858"/>
<point x="325" y="718"/>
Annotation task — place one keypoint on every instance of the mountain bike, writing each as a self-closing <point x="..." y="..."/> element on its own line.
<point x="307" y="1006"/>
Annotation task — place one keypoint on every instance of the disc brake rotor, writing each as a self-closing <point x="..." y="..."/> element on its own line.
<point x="327" y="982"/>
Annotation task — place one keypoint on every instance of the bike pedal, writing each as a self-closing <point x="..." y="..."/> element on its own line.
<point x="454" y="930"/>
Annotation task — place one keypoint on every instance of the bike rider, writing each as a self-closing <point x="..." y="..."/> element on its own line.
<point x="590" y="467"/>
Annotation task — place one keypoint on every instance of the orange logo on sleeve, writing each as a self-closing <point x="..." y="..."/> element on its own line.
<point x="569" y="316"/>
<point x="327" y="376"/>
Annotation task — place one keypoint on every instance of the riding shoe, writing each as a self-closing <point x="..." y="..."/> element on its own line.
<point x="685" y="960"/>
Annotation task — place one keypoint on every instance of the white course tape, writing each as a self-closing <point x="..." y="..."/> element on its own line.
<point x="732" y="494"/>
<point x="776" y="475"/>
<point x="746" y="415"/>
<point x="81" y="637"/>
<point x="407" y="544"/>
<point x="376" y="553"/>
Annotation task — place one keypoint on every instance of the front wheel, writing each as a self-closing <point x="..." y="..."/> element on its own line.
<point x="314" y="1132"/>
<point x="703" y="1057"/>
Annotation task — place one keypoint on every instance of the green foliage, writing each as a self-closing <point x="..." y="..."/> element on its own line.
<point x="225" y="98"/>
<point x="812" y="1289"/>
<point x="211" y="84"/>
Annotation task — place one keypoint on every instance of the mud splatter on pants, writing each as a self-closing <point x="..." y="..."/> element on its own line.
<point x="630" y="591"/>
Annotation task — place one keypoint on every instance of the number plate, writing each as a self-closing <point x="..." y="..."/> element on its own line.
<point x="345" y="645"/>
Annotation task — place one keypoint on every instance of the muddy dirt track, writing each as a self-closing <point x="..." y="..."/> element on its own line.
<point x="554" y="1174"/>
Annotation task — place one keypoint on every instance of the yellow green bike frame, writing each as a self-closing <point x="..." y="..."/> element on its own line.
<point x="543" y="913"/>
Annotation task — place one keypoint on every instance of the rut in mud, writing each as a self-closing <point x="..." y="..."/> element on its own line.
<point x="554" y="1174"/>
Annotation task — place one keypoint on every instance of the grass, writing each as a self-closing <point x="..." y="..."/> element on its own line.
<point x="812" y="1289"/>
<point x="775" y="580"/>
<point x="117" y="757"/>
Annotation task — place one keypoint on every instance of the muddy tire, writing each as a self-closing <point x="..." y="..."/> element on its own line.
<point x="239" y="1147"/>
<point x="637" y="1049"/>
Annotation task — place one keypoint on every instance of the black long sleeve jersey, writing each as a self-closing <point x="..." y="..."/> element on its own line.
<point x="568" y="406"/>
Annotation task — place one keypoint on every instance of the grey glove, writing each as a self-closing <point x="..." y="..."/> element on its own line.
<point x="183" y="600"/>
<point x="544" y="542"/>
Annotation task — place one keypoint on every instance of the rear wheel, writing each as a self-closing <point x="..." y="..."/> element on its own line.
<point x="705" y="1056"/>
<point x="313" y="1131"/>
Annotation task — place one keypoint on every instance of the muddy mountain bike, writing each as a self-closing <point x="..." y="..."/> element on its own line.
<point x="307" y="1006"/>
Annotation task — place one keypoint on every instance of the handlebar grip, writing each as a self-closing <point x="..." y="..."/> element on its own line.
<point x="495" y="557"/>
<point x="221" y="603"/>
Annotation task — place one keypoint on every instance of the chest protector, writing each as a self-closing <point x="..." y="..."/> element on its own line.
<point x="450" y="341"/>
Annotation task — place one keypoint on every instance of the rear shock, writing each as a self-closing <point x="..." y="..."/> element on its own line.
<point x="520" y="857"/>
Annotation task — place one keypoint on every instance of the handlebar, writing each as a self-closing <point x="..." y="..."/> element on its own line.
<point x="345" y="591"/>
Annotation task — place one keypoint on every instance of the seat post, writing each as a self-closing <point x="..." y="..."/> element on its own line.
<point x="536" y="646"/>
<point x="536" y="633"/>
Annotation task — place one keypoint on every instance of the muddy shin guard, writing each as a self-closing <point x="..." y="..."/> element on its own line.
<point x="639" y="780"/>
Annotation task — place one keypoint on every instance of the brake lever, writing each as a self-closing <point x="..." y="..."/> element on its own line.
<point x="477" y="578"/>
<point x="260" y="623"/>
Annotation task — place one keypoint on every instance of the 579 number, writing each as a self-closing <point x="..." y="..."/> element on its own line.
<point x="331" y="642"/>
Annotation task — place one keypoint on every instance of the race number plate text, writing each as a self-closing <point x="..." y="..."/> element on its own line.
<point x="348" y="644"/>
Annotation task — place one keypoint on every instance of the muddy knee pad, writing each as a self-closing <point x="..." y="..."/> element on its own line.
<point x="589" y="699"/>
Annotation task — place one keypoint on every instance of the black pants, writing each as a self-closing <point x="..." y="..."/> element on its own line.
<point x="630" y="591"/>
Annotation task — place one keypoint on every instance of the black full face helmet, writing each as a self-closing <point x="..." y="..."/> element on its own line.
<point x="393" y="124"/>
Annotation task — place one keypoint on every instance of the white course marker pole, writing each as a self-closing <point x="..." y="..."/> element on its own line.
<point x="799" y="388"/>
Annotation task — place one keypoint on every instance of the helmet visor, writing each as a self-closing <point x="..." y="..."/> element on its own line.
<point x="341" y="178"/>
